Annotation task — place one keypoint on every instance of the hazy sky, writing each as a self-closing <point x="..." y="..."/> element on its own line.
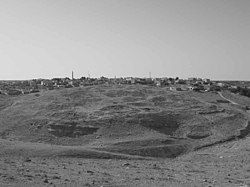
<point x="50" y="38"/>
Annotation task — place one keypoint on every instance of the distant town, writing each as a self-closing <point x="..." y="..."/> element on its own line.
<point x="15" y="88"/>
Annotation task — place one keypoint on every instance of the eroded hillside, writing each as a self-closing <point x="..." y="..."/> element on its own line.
<point x="124" y="135"/>
<point x="134" y="120"/>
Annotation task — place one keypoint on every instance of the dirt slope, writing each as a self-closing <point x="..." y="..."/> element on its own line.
<point x="121" y="124"/>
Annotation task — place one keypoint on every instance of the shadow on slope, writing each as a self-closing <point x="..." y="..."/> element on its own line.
<point x="159" y="148"/>
<point x="18" y="148"/>
<point x="71" y="130"/>
<point x="243" y="133"/>
<point x="161" y="122"/>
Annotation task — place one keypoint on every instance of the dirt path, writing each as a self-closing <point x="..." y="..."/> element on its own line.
<point x="227" y="99"/>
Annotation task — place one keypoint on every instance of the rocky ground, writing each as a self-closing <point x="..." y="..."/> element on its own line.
<point x="124" y="136"/>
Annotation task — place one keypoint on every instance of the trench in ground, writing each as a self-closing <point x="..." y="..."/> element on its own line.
<point x="71" y="130"/>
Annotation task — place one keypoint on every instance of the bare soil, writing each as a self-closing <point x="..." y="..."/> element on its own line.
<point x="124" y="136"/>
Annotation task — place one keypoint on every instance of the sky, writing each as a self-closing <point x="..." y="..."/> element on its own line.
<point x="123" y="38"/>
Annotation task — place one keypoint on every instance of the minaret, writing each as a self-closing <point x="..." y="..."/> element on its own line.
<point x="72" y="75"/>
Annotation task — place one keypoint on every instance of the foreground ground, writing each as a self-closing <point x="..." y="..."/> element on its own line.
<point x="124" y="136"/>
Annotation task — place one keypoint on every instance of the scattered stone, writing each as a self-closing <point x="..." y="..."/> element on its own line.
<point x="90" y="172"/>
<point x="46" y="181"/>
<point x="27" y="160"/>
<point x="87" y="184"/>
<point x="39" y="126"/>
<point x="155" y="166"/>
<point x="125" y="164"/>
<point x="10" y="178"/>
<point x="56" y="177"/>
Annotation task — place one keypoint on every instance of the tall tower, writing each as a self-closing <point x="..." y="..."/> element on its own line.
<point x="72" y="75"/>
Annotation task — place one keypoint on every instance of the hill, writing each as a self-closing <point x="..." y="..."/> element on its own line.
<point x="129" y="122"/>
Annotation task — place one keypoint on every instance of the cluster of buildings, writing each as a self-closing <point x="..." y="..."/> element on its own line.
<point x="174" y="84"/>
